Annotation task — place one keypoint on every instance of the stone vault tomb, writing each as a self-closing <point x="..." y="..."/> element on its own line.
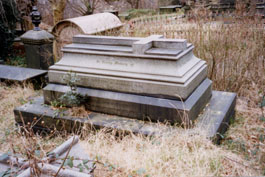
<point x="133" y="79"/>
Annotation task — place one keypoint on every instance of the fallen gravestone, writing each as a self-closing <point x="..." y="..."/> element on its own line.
<point x="125" y="81"/>
<point x="12" y="165"/>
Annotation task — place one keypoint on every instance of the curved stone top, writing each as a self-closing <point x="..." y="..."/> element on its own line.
<point x="92" y="24"/>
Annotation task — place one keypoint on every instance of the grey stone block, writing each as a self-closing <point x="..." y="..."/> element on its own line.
<point x="136" y="106"/>
<point x="20" y="74"/>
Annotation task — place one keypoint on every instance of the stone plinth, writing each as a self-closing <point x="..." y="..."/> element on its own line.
<point x="39" y="49"/>
<point x="153" y="66"/>
<point x="137" y="106"/>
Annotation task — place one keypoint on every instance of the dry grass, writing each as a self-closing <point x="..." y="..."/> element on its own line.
<point x="181" y="154"/>
<point x="11" y="97"/>
<point x="246" y="136"/>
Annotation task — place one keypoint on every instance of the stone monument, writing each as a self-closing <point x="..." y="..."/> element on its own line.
<point x="38" y="44"/>
<point x="136" y="79"/>
<point x="133" y="77"/>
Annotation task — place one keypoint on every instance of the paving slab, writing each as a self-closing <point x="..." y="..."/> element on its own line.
<point x="214" y="120"/>
<point x="12" y="73"/>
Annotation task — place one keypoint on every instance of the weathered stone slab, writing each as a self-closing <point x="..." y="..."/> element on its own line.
<point x="20" y="74"/>
<point x="144" y="66"/>
<point x="137" y="106"/>
<point x="214" y="120"/>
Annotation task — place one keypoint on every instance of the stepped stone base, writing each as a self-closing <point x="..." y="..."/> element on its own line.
<point x="137" y="106"/>
<point x="214" y="119"/>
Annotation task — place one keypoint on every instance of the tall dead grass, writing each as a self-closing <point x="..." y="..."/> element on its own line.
<point x="10" y="98"/>
<point x="177" y="154"/>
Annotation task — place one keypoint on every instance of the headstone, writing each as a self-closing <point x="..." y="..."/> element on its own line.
<point x="125" y="81"/>
<point x="38" y="45"/>
<point x="133" y="77"/>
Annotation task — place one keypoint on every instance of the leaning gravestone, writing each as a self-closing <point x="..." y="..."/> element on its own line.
<point x="132" y="79"/>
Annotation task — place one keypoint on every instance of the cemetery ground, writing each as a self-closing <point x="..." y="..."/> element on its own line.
<point x="235" y="56"/>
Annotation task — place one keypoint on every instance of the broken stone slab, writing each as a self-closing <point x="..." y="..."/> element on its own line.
<point x="150" y="66"/>
<point x="136" y="106"/>
<point x="214" y="120"/>
<point x="51" y="164"/>
<point x="12" y="73"/>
